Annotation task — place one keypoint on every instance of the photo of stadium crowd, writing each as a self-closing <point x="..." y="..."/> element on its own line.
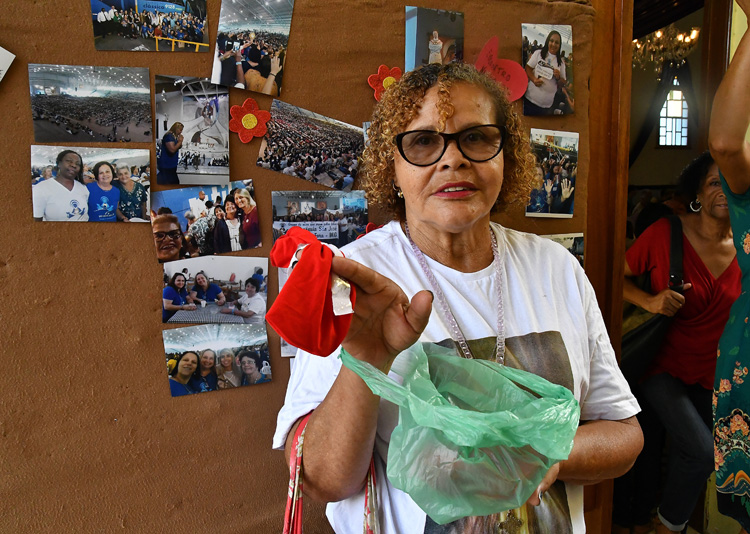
<point x="74" y="103"/>
<point x="310" y="146"/>
<point x="202" y="110"/>
<point x="150" y="26"/>
<point x="251" y="45"/>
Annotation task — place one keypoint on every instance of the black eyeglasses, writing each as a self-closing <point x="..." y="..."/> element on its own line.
<point x="425" y="147"/>
<point x="174" y="235"/>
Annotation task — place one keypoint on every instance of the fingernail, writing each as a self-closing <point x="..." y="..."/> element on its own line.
<point x="432" y="295"/>
<point x="541" y="494"/>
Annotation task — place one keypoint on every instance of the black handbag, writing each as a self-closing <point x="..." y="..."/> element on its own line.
<point x="641" y="344"/>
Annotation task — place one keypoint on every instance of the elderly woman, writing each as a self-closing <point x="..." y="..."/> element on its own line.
<point x="678" y="386"/>
<point x="103" y="196"/>
<point x="446" y="149"/>
<point x="205" y="290"/>
<point x="175" y="297"/>
<point x="133" y="196"/>
<point x="182" y="372"/>
<point x="250" y="306"/>
<point x="249" y="219"/>
<point x="251" y="364"/>
<point x="730" y="120"/>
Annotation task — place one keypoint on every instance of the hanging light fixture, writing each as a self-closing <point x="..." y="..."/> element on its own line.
<point x="667" y="46"/>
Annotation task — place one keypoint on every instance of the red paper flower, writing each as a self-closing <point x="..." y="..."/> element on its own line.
<point x="383" y="79"/>
<point x="248" y="120"/>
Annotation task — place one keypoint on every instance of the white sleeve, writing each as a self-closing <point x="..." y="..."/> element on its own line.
<point x="534" y="59"/>
<point x="39" y="199"/>
<point x="257" y="306"/>
<point x="311" y="379"/>
<point x="607" y="394"/>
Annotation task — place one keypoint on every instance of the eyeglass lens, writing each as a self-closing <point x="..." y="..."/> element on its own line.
<point x="424" y="147"/>
<point x="173" y="235"/>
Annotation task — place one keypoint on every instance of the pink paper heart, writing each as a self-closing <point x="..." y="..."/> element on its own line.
<point x="506" y="72"/>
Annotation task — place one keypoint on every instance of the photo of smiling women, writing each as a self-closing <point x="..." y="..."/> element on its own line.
<point x="548" y="60"/>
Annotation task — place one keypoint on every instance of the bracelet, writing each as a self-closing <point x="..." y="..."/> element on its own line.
<point x="238" y="62"/>
<point x="272" y="74"/>
<point x="232" y="311"/>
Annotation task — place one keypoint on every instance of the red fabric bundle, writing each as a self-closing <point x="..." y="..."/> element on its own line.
<point x="302" y="314"/>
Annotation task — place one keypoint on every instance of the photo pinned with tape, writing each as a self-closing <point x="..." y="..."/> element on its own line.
<point x="547" y="52"/>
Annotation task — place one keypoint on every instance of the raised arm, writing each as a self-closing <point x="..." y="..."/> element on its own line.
<point x="340" y="434"/>
<point x="730" y="117"/>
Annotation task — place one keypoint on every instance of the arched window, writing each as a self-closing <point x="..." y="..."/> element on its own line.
<point x="673" y="119"/>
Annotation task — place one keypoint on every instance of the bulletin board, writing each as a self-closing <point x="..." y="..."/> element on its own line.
<point x="91" y="438"/>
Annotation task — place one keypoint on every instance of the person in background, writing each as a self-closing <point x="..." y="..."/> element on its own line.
<point x="168" y="237"/>
<point x="228" y="235"/>
<point x="730" y="119"/>
<point x="197" y="232"/>
<point x="133" y="196"/>
<point x="677" y="387"/>
<point x="250" y="306"/>
<point x="251" y="364"/>
<point x="228" y="373"/>
<point x="546" y="72"/>
<point x="182" y="372"/>
<point x="65" y="198"/>
<point x="249" y="218"/>
<point x="103" y="196"/>
<point x="170" y="155"/>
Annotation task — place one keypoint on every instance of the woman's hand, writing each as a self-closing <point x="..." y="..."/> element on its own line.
<point x="548" y="188"/>
<point x="666" y="302"/>
<point x="384" y="322"/>
<point x="225" y="310"/>
<point x="566" y="189"/>
<point x="538" y="82"/>
<point x="547" y="481"/>
<point x="556" y="73"/>
<point x="275" y="65"/>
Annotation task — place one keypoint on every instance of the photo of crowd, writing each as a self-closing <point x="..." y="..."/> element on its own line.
<point x="306" y="145"/>
<point x="192" y="131"/>
<point x="433" y="36"/>
<point x="216" y="357"/>
<point x="553" y="192"/>
<point x="201" y="221"/>
<point x="215" y="289"/>
<point x="572" y="242"/>
<point x="154" y="25"/>
<point x="251" y="45"/>
<point x="333" y="217"/>
<point x="89" y="184"/>
<point x="74" y="103"/>
<point x="548" y="60"/>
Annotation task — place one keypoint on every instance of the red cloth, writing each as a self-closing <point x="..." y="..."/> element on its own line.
<point x="689" y="351"/>
<point x="302" y="314"/>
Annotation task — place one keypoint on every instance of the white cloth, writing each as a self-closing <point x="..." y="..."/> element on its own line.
<point x="54" y="202"/>
<point x="544" y="96"/>
<point x="548" y="302"/>
<point x="101" y="17"/>
<point x="234" y="234"/>
<point x="255" y="304"/>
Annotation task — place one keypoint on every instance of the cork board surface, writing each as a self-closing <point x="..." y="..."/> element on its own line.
<point x="90" y="439"/>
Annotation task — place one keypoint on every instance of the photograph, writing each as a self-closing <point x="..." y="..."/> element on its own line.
<point x="548" y="59"/>
<point x="201" y="221"/>
<point x="251" y="45"/>
<point x="334" y="217"/>
<point x="214" y="357"/>
<point x="556" y="155"/>
<point x="433" y="36"/>
<point x="192" y="131"/>
<point x="215" y="289"/>
<point x="73" y="183"/>
<point x="150" y="25"/>
<point x="6" y="58"/>
<point x="76" y="103"/>
<point x="312" y="147"/>
<point x="572" y="242"/>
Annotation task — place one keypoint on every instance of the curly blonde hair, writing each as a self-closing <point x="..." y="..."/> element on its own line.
<point x="401" y="103"/>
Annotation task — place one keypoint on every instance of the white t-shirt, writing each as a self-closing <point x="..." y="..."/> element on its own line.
<point x="544" y="96"/>
<point x="54" y="202"/>
<point x="554" y="328"/>
<point x="256" y="304"/>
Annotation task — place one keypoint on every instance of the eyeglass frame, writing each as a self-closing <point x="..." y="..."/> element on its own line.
<point x="167" y="235"/>
<point x="448" y="137"/>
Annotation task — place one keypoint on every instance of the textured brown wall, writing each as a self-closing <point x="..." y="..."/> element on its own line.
<point x="90" y="439"/>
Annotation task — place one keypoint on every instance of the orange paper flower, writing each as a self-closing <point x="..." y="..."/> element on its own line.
<point x="383" y="79"/>
<point x="248" y="120"/>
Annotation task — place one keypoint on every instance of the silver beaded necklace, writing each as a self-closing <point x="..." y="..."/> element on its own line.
<point x="448" y="316"/>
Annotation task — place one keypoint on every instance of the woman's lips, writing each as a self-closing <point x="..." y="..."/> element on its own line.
<point x="456" y="190"/>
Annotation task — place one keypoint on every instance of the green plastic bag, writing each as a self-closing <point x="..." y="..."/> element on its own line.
<point x="474" y="437"/>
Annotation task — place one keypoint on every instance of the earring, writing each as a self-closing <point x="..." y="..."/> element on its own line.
<point x="693" y="208"/>
<point x="399" y="193"/>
